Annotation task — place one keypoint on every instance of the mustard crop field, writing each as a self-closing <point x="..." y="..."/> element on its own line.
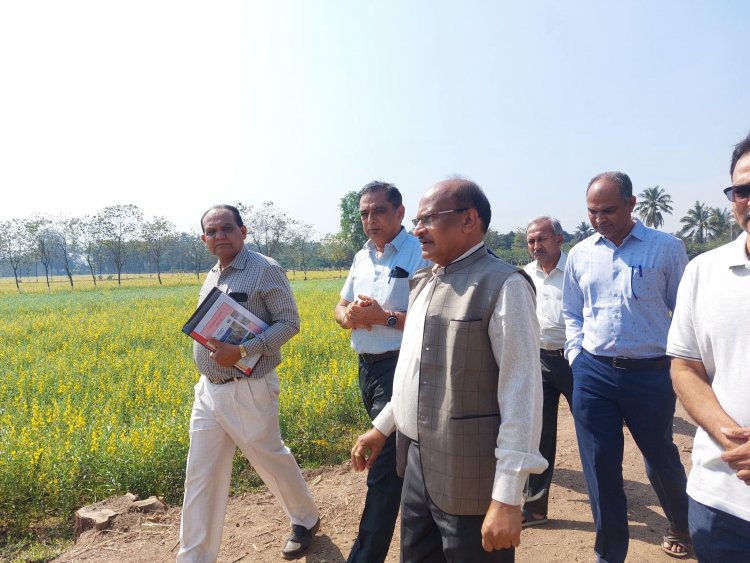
<point x="96" y="386"/>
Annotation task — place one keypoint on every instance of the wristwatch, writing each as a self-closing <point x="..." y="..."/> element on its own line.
<point x="243" y="352"/>
<point x="392" y="320"/>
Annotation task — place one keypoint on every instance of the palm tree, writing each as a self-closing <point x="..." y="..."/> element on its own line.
<point x="653" y="202"/>
<point x="583" y="230"/>
<point x="720" y="222"/>
<point x="696" y="226"/>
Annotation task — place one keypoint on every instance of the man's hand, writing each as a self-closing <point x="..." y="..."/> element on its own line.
<point x="501" y="527"/>
<point x="364" y="312"/>
<point x="738" y="458"/>
<point x="226" y="355"/>
<point x="367" y="448"/>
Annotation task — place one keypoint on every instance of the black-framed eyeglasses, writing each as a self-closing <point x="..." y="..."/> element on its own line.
<point x="737" y="193"/>
<point x="427" y="220"/>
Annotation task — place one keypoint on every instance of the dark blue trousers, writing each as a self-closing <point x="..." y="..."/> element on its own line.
<point x="604" y="396"/>
<point x="383" y="483"/>
<point x="718" y="537"/>
<point x="557" y="380"/>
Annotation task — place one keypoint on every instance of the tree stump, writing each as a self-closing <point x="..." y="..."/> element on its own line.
<point x="99" y="516"/>
<point x="151" y="504"/>
<point x="89" y="518"/>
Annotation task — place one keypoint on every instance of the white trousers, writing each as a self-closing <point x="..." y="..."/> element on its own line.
<point x="244" y="413"/>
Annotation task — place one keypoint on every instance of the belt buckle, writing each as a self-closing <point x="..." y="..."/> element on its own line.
<point x="618" y="362"/>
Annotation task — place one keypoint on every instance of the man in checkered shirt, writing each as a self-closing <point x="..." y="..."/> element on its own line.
<point x="232" y="410"/>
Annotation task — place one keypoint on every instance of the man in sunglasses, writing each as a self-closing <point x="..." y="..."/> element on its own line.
<point x="619" y="290"/>
<point x="373" y="306"/>
<point x="709" y="373"/>
<point x="467" y="395"/>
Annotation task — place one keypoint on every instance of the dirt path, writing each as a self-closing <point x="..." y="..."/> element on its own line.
<point x="256" y="528"/>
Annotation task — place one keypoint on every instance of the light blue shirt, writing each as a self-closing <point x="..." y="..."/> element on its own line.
<point x="373" y="276"/>
<point x="617" y="301"/>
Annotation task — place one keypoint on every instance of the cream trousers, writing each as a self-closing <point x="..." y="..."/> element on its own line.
<point x="242" y="413"/>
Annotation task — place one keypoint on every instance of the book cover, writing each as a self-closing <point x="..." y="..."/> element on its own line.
<point x="221" y="317"/>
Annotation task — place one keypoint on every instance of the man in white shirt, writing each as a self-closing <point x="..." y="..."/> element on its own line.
<point x="467" y="394"/>
<point x="709" y="374"/>
<point x="544" y="238"/>
<point x="373" y="307"/>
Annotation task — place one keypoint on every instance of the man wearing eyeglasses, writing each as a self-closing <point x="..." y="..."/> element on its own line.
<point x="373" y="306"/>
<point x="467" y="394"/>
<point x="231" y="410"/>
<point x="709" y="373"/>
<point x="619" y="290"/>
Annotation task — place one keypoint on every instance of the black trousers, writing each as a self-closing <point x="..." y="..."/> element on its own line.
<point x="429" y="535"/>
<point x="383" y="484"/>
<point x="557" y="379"/>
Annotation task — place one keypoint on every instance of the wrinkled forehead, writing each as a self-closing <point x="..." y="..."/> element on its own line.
<point x="438" y="197"/>
<point x="543" y="228"/>
<point x="374" y="200"/>
<point x="219" y="217"/>
<point x="742" y="170"/>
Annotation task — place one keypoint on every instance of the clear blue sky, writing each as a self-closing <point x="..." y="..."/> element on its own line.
<point x="176" y="105"/>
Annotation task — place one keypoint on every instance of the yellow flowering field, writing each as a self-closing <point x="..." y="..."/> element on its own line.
<point x="96" y="388"/>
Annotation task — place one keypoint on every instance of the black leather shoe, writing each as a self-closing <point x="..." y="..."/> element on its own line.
<point x="300" y="541"/>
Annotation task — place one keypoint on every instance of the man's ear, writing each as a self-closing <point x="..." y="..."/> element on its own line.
<point x="471" y="220"/>
<point x="243" y="230"/>
<point x="400" y="212"/>
<point x="203" y="237"/>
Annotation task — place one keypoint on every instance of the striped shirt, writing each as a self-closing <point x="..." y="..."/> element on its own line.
<point x="269" y="297"/>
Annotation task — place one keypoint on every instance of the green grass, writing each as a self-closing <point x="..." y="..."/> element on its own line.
<point x="96" y="389"/>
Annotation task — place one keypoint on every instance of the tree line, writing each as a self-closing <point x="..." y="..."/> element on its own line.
<point x="120" y="240"/>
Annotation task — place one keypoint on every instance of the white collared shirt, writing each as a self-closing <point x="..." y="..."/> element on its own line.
<point x="549" y="302"/>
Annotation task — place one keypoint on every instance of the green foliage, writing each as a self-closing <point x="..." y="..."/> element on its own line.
<point x="351" y="226"/>
<point x="652" y="203"/>
<point x="97" y="400"/>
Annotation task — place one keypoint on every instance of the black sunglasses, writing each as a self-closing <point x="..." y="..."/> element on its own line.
<point x="737" y="193"/>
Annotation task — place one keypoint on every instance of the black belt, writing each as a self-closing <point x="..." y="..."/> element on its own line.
<point x="223" y="381"/>
<point x="556" y="353"/>
<point x="618" y="362"/>
<point x="373" y="358"/>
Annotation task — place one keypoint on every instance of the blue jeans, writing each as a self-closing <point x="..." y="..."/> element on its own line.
<point x="718" y="537"/>
<point x="604" y="396"/>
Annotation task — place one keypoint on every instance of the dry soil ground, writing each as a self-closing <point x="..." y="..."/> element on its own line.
<point x="256" y="528"/>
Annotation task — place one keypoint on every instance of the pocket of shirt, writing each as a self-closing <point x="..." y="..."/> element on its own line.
<point x="397" y="294"/>
<point x="645" y="283"/>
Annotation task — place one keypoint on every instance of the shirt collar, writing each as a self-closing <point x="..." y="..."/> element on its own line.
<point x="396" y="243"/>
<point x="472" y="250"/>
<point x="738" y="252"/>
<point x="559" y="266"/>
<point x="238" y="262"/>
<point x="638" y="231"/>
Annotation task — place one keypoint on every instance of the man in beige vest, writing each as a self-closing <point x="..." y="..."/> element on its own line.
<point x="467" y="397"/>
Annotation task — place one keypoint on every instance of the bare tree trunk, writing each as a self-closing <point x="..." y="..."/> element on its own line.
<point x="91" y="267"/>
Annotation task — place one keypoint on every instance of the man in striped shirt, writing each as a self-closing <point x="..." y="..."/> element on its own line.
<point x="232" y="410"/>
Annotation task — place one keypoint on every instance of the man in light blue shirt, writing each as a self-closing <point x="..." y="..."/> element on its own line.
<point x="619" y="292"/>
<point x="373" y="306"/>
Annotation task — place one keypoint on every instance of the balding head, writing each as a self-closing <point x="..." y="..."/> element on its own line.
<point x="457" y="214"/>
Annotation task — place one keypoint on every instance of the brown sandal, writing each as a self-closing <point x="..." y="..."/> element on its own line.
<point x="674" y="538"/>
